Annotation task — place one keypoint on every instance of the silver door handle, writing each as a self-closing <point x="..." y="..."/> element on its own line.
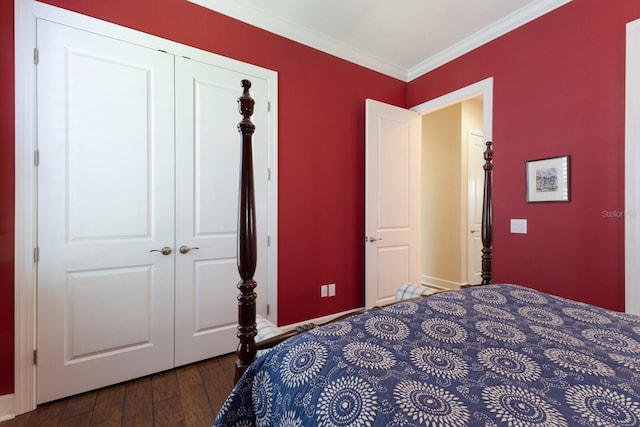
<point x="164" y="251"/>
<point x="373" y="239"/>
<point x="474" y="231"/>
<point x="184" y="249"/>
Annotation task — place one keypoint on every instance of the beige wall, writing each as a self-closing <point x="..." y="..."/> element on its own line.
<point x="444" y="134"/>
<point x="471" y="116"/>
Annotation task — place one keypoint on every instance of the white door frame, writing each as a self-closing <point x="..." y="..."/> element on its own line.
<point x="482" y="88"/>
<point x="632" y="174"/>
<point x="26" y="13"/>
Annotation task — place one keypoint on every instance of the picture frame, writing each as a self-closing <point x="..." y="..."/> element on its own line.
<point x="548" y="180"/>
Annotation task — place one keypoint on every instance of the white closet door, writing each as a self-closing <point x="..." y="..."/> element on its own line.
<point x="105" y="201"/>
<point x="207" y="176"/>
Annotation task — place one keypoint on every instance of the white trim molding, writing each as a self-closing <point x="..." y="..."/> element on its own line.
<point x="25" y="208"/>
<point x="320" y="320"/>
<point x="632" y="170"/>
<point x="438" y="283"/>
<point x="7" y="407"/>
<point x="508" y="23"/>
<point x="483" y="87"/>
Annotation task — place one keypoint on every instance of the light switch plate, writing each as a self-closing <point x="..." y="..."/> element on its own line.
<point x="519" y="226"/>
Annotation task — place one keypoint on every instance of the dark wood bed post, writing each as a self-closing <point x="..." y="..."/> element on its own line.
<point x="487" y="216"/>
<point x="247" y="249"/>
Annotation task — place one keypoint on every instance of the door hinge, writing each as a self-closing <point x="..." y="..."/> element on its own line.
<point x="36" y="254"/>
<point x="268" y="174"/>
<point x="268" y="309"/>
<point x="36" y="55"/>
<point x="35" y="356"/>
<point x="268" y="106"/>
<point x="36" y="157"/>
<point x="268" y="240"/>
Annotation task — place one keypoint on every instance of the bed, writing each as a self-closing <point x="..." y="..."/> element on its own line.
<point x="499" y="354"/>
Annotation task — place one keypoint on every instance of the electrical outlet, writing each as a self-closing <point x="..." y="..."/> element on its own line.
<point x="332" y="289"/>
<point x="323" y="291"/>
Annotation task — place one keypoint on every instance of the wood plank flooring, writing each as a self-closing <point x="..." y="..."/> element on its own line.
<point x="186" y="396"/>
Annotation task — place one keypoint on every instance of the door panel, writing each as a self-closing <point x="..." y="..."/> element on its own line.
<point x="394" y="167"/>
<point x="476" y="189"/>
<point x="393" y="268"/>
<point x="92" y="299"/>
<point x="392" y="200"/>
<point x="105" y="200"/>
<point x="215" y="293"/>
<point x="207" y="173"/>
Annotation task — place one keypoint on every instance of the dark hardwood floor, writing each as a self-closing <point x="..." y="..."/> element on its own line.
<point x="187" y="396"/>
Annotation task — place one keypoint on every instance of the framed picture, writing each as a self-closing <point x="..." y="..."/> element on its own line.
<point x="548" y="180"/>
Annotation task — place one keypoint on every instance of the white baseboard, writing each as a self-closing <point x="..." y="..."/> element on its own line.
<point x="439" y="283"/>
<point x="7" y="407"/>
<point x="317" y="320"/>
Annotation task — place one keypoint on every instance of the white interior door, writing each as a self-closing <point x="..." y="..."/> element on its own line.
<point x="207" y="170"/>
<point x="392" y="242"/>
<point x="105" y="201"/>
<point x="474" y="203"/>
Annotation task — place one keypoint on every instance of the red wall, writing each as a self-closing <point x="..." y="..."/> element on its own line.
<point x="558" y="89"/>
<point x="321" y="152"/>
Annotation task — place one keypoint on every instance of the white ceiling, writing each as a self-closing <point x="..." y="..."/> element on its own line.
<point x="400" y="38"/>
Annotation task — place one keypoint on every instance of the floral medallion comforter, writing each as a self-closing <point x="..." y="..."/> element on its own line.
<point x="498" y="355"/>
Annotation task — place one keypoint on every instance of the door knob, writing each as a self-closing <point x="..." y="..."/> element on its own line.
<point x="185" y="249"/>
<point x="373" y="239"/>
<point x="165" y="251"/>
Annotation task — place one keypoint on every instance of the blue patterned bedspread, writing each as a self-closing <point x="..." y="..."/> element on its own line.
<point x="498" y="355"/>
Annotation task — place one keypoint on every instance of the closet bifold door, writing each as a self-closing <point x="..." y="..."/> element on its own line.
<point x="105" y="211"/>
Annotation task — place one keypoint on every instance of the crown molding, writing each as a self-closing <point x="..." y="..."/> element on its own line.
<point x="300" y="34"/>
<point x="499" y="28"/>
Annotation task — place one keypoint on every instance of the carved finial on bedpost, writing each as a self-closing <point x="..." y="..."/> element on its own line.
<point x="247" y="249"/>
<point x="487" y="216"/>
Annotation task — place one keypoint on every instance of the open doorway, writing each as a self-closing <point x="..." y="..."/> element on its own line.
<point x="452" y="140"/>
<point x="454" y="129"/>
